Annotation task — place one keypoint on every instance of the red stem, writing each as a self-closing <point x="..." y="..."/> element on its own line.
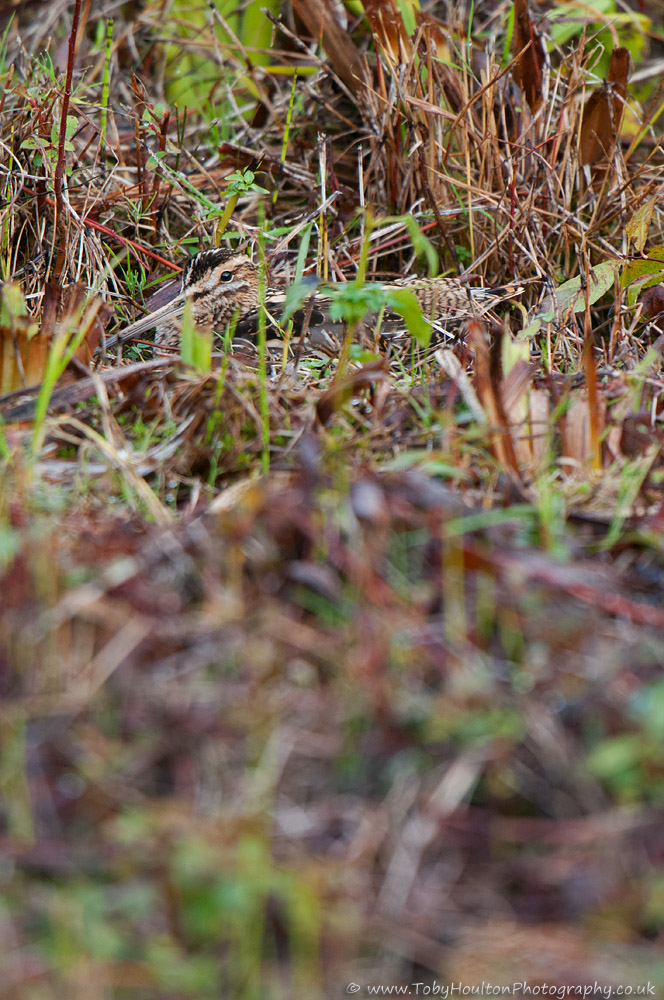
<point x="60" y="165"/>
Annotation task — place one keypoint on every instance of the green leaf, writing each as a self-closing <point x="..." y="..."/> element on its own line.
<point x="303" y="251"/>
<point x="572" y="293"/>
<point x="534" y="328"/>
<point x="243" y="183"/>
<point x="424" y="460"/>
<point x="407" y="9"/>
<point x="12" y="302"/>
<point x="351" y="302"/>
<point x="404" y="302"/>
<point x="70" y="128"/>
<point x="638" y="225"/>
<point x="567" y="22"/>
<point x="297" y="295"/>
<point x="642" y="272"/>
<point x="195" y="345"/>
<point x="613" y="757"/>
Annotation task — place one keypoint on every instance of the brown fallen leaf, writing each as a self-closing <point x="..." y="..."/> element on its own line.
<point x="652" y="301"/>
<point x="320" y="20"/>
<point x="488" y="378"/>
<point x="603" y="111"/>
<point x="638" y="435"/>
<point x="578" y="439"/>
<point x="23" y="348"/>
<point x="388" y="27"/>
<point x="530" y="57"/>
<point x="393" y="38"/>
<point x="25" y="340"/>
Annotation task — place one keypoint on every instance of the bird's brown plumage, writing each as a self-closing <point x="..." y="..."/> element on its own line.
<point x="222" y="285"/>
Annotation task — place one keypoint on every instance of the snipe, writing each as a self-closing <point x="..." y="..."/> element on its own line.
<point x="223" y="286"/>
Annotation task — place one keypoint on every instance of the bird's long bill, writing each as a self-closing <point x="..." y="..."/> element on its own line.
<point x="173" y="308"/>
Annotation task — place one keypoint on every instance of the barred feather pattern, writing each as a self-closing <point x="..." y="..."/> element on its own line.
<point x="223" y="286"/>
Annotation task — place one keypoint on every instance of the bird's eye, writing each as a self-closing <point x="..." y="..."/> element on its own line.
<point x="226" y="276"/>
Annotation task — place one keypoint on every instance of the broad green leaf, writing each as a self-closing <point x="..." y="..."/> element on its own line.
<point x="195" y="345"/>
<point x="426" y="461"/>
<point x="534" y="328"/>
<point x="407" y="9"/>
<point x="404" y="302"/>
<point x="567" y="19"/>
<point x="638" y="225"/>
<point x="12" y="299"/>
<point x="72" y="125"/>
<point x="572" y="292"/>
<point x="513" y="351"/>
<point x="297" y="295"/>
<point x="70" y="128"/>
<point x="602" y="21"/>
<point x="642" y="272"/>
<point x="351" y="302"/>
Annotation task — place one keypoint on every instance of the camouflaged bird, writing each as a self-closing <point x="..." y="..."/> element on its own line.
<point x="222" y="287"/>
